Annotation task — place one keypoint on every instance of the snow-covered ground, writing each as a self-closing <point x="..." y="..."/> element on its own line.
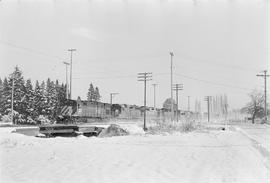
<point x="199" y="156"/>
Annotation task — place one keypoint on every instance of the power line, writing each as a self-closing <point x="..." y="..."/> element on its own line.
<point x="211" y="82"/>
<point x="115" y="77"/>
<point x="206" y="61"/>
<point x="30" y="50"/>
<point x="180" y="75"/>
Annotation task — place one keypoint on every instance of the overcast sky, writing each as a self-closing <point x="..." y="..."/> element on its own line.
<point x="219" y="45"/>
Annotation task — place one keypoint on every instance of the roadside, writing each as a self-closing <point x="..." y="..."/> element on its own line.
<point x="259" y="134"/>
<point x="207" y="155"/>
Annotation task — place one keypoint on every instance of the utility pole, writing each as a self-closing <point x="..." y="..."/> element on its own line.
<point x="12" y="100"/>
<point x="144" y="77"/>
<point x="188" y="104"/>
<point x="111" y="97"/>
<point x="207" y="99"/>
<point x="154" y="85"/>
<point x="177" y="87"/>
<point x="71" y="52"/>
<point x="265" y="94"/>
<point x="172" y="111"/>
<point x="67" y="64"/>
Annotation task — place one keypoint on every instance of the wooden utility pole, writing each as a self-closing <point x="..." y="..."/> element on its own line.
<point x="177" y="87"/>
<point x="172" y="111"/>
<point x="207" y="99"/>
<point x="154" y="85"/>
<point x="111" y="97"/>
<point x="67" y="64"/>
<point x="144" y="77"/>
<point x="265" y="92"/>
<point x="188" y="103"/>
<point x="70" y="90"/>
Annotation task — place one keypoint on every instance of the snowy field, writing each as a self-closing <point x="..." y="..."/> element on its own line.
<point x="201" y="156"/>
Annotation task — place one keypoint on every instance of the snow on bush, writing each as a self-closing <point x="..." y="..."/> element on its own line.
<point x="113" y="130"/>
<point x="6" y="118"/>
<point x="133" y="129"/>
<point x="43" y="120"/>
<point x="30" y="120"/>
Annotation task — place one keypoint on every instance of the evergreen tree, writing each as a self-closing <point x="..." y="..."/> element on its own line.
<point x="52" y="98"/>
<point x="1" y="95"/>
<point x="44" y="100"/>
<point x="97" y="95"/>
<point x="49" y="98"/>
<point x="5" y="104"/>
<point x="168" y="104"/>
<point x="60" y="97"/>
<point x="19" y="103"/>
<point x="39" y="99"/>
<point x="29" y="97"/>
<point x="91" y="93"/>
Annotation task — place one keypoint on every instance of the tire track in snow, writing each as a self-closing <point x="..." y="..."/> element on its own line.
<point x="258" y="146"/>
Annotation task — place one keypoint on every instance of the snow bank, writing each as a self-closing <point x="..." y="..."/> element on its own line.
<point x="113" y="130"/>
<point x="133" y="129"/>
<point x="212" y="157"/>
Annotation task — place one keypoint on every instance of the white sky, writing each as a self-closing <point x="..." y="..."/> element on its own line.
<point x="225" y="42"/>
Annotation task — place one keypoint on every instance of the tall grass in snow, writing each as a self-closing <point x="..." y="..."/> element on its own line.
<point x="172" y="127"/>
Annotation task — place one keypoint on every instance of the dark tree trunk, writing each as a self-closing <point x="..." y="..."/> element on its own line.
<point x="253" y="117"/>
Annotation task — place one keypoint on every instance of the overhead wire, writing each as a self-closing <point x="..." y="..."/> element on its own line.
<point x="30" y="50"/>
<point x="133" y="76"/>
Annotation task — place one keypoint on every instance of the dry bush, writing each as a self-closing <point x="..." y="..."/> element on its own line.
<point x="188" y="126"/>
<point x="162" y="128"/>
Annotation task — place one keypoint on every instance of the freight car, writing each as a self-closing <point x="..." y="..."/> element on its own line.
<point x="87" y="111"/>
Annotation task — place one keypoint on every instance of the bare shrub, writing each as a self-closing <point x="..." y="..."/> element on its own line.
<point x="169" y="127"/>
<point x="187" y="126"/>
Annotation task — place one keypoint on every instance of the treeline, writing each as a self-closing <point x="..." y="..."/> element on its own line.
<point x="93" y="94"/>
<point x="31" y="103"/>
<point x="219" y="105"/>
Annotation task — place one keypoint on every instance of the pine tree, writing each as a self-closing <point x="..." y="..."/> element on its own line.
<point x="97" y="95"/>
<point x="60" y="97"/>
<point x="39" y="99"/>
<point x="19" y="104"/>
<point x="29" y="97"/>
<point x="51" y="94"/>
<point x="48" y="95"/>
<point x="5" y="104"/>
<point x="1" y="95"/>
<point x="44" y="100"/>
<point x="168" y="104"/>
<point x="91" y="93"/>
